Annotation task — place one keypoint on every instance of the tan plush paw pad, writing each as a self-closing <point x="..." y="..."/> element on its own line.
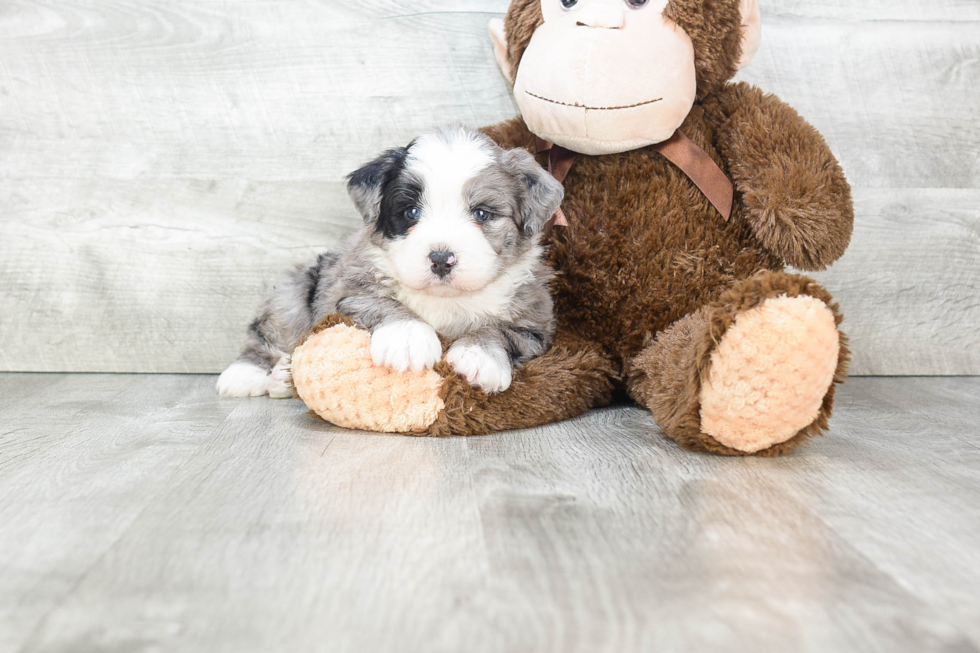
<point x="334" y="375"/>
<point x="770" y="373"/>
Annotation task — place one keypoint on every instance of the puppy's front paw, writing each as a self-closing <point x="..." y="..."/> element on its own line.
<point x="405" y="345"/>
<point x="489" y="370"/>
<point x="243" y="380"/>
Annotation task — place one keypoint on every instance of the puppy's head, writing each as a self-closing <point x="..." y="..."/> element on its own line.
<point x="452" y="212"/>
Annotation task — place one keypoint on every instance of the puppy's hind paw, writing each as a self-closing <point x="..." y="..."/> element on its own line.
<point x="281" y="380"/>
<point x="243" y="380"/>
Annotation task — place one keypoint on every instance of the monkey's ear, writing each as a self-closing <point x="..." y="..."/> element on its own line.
<point x="499" y="37"/>
<point x="364" y="184"/>
<point x="751" y="31"/>
<point x="544" y="192"/>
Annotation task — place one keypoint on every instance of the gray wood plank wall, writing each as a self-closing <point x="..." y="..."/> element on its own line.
<point x="162" y="161"/>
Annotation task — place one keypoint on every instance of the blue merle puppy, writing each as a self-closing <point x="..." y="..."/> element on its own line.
<point x="451" y="247"/>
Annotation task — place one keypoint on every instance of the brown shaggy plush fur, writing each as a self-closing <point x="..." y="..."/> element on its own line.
<point x="646" y="256"/>
<point x="668" y="374"/>
<point x="572" y="377"/>
<point x="649" y="276"/>
<point x="649" y="271"/>
<point x="780" y="165"/>
<point x="715" y="28"/>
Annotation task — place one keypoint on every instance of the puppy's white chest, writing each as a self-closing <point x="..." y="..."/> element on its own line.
<point x="456" y="316"/>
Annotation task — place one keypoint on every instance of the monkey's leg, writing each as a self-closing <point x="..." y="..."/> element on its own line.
<point x="752" y="373"/>
<point x="572" y="377"/>
<point x="334" y="375"/>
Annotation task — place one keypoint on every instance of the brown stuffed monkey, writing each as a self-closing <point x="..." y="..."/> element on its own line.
<point x="666" y="287"/>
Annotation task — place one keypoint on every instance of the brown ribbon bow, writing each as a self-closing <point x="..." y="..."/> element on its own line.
<point x="678" y="149"/>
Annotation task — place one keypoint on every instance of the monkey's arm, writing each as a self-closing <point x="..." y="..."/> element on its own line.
<point x="793" y="191"/>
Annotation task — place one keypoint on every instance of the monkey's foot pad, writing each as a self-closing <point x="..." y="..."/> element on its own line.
<point x="770" y="373"/>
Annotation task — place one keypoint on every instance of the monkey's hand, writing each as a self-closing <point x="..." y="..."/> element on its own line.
<point x="793" y="191"/>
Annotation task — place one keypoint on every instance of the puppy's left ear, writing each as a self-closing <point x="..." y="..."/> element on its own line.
<point x="544" y="192"/>
<point x="364" y="184"/>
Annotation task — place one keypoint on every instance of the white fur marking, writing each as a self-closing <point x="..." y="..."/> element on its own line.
<point x="405" y="345"/>
<point x="446" y="166"/>
<point x="456" y="314"/>
<point x="445" y="163"/>
<point x="480" y="368"/>
<point x="243" y="380"/>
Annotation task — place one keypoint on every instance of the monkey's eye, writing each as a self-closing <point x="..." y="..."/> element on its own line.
<point x="413" y="213"/>
<point x="636" y="4"/>
<point x="481" y="215"/>
<point x="568" y="4"/>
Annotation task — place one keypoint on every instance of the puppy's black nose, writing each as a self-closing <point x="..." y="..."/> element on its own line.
<point x="442" y="262"/>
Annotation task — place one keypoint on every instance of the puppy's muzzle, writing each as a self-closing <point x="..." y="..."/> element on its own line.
<point x="442" y="263"/>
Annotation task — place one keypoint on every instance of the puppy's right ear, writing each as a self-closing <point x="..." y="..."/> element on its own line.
<point x="365" y="184"/>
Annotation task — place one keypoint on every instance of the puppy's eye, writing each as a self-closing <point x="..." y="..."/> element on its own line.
<point x="636" y="4"/>
<point x="482" y="215"/>
<point x="568" y="4"/>
<point x="413" y="213"/>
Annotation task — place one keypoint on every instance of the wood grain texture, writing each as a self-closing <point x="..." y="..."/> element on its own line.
<point x="162" y="162"/>
<point x="80" y="458"/>
<point x="909" y="285"/>
<point x="151" y="524"/>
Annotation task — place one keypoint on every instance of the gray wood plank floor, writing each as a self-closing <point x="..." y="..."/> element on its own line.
<point x="142" y="513"/>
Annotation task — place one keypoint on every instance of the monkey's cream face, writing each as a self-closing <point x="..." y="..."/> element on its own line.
<point x="605" y="76"/>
